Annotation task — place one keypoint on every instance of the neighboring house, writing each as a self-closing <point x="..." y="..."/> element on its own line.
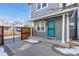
<point x="55" y="20"/>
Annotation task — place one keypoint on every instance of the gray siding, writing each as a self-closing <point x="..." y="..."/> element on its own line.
<point x="41" y="34"/>
<point x="78" y="23"/>
<point x="58" y="28"/>
<point x="45" y="11"/>
<point x="73" y="31"/>
<point x="58" y="22"/>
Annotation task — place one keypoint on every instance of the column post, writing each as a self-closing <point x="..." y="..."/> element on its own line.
<point x="67" y="28"/>
<point x="63" y="28"/>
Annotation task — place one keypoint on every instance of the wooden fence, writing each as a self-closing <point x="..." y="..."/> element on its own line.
<point x="1" y="35"/>
<point x="25" y="32"/>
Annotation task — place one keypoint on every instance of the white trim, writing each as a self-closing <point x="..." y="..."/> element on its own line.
<point x="55" y="13"/>
<point x="73" y="14"/>
<point x="60" y="6"/>
<point x="68" y="4"/>
<point x="67" y="28"/>
<point x="41" y="7"/>
<point x="63" y="26"/>
<point x="36" y="26"/>
<point x="71" y="24"/>
<point x="30" y="24"/>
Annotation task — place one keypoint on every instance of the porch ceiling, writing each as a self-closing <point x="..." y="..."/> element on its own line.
<point x="59" y="13"/>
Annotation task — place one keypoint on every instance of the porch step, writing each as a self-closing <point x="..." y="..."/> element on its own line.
<point x="51" y="37"/>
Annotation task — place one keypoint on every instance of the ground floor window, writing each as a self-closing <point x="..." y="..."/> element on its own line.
<point x="40" y="26"/>
<point x="71" y="25"/>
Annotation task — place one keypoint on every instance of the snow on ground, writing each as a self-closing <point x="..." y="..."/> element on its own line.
<point x="2" y="52"/>
<point x="32" y="41"/>
<point x="68" y="50"/>
<point x="7" y="37"/>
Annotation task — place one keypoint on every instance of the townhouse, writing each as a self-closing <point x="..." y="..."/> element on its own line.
<point x="55" y="20"/>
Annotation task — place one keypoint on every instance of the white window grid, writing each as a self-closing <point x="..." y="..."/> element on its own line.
<point x="40" y="25"/>
<point x="41" y="6"/>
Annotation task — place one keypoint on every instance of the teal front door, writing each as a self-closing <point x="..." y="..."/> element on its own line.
<point x="51" y="28"/>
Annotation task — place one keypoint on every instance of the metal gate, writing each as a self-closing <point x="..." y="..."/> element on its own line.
<point x="11" y="34"/>
<point x="25" y="32"/>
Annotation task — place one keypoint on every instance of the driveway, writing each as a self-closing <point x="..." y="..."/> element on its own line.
<point x="21" y="48"/>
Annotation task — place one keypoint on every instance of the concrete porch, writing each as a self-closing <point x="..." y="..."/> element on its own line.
<point x="52" y="41"/>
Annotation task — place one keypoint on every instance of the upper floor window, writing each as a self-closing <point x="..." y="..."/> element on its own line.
<point x="67" y="4"/>
<point x="44" y="5"/>
<point x="40" y="6"/>
<point x="60" y="6"/>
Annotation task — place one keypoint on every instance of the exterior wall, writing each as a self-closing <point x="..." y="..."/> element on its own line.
<point x="73" y="31"/>
<point x="42" y="34"/>
<point x="78" y="23"/>
<point x="45" y="11"/>
<point x="58" y="28"/>
<point x="58" y="21"/>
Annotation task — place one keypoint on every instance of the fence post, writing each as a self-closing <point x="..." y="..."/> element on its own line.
<point x="2" y="35"/>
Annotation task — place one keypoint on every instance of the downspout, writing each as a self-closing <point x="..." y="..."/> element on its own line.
<point x="30" y="23"/>
<point x="76" y="25"/>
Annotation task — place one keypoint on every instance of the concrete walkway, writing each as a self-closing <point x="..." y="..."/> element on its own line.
<point x="21" y="48"/>
<point x="53" y="41"/>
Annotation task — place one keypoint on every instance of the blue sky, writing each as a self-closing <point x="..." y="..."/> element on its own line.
<point x="15" y="11"/>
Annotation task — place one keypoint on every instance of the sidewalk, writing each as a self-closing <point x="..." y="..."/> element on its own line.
<point x="22" y="48"/>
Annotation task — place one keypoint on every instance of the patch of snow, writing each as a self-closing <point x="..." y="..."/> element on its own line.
<point x="2" y="52"/>
<point x="32" y="41"/>
<point x="24" y="47"/>
<point x="68" y="50"/>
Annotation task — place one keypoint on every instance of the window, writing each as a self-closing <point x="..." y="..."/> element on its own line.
<point x="40" y="26"/>
<point x="67" y="4"/>
<point x="40" y="6"/>
<point x="71" y="25"/>
<point x="60" y="6"/>
<point x="44" y="5"/>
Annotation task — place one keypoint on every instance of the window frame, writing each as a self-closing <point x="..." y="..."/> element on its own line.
<point x="37" y="6"/>
<point x="68" y="4"/>
<point x="60" y="6"/>
<point x="41" y="26"/>
<point x="72" y="25"/>
<point x="41" y="7"/>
